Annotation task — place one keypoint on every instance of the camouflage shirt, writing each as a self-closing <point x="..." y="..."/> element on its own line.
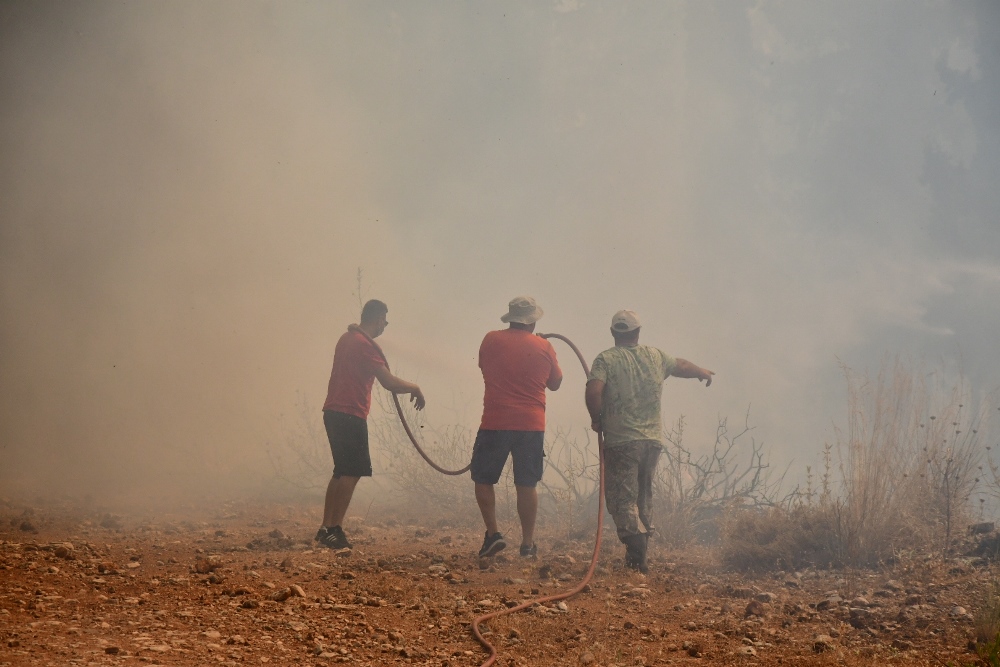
<point x="633" y="384"/>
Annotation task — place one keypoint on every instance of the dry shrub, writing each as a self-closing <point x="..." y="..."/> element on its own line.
<point x="908" y="463"/>
<point x="777" y="538"/>
<point x="691" y="493"/>
<point x="567" y="498"/>
<point x="987" y="618"/>
<point x="413" y="485"/>
<point x="900" y="477"/>
<point x="986" y="625"/>
<point x="300" y="457"/>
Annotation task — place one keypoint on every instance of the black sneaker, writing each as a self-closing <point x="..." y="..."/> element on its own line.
<point x="529" y="552"/>
<point x="334" y="538"/>
<point x="320" y="534"/>
<point x="492" y="544"/>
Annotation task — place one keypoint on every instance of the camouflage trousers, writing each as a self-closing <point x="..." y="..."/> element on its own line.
<point x="628" y="485"/>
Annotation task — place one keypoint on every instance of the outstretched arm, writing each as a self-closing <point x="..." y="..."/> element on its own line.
<point x="685" y="369"/>
<point x="595" y="403"/>
<point x="399" y="386"/>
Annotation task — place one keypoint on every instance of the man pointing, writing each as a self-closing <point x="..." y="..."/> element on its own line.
<point x="623" y="397"/>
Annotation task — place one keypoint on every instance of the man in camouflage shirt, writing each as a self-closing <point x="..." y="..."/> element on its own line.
<point x="623" y="397"/>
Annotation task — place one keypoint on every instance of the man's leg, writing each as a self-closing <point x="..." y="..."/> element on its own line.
<point x="488" y="458"/>
<point x="348" y="436"/>
<point x="647" y="468"/>
<point x="621" y="480"/>
<point x="339" y="492"/>
<point x="527" y="450"/>
<point x="486" y="498"/>
<point x="527" y="511"/>
<point x="493" y="541"/>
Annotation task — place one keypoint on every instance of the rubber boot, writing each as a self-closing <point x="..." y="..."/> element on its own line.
<point x="635" y="552"/>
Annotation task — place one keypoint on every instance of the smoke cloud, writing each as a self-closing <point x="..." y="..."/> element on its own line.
<point x="187" y="192"/>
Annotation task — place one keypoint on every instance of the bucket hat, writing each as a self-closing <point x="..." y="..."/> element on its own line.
<point x="522" y="309"/>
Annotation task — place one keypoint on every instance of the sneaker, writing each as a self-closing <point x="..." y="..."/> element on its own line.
<point x="334" y="538"/>
<point x="492" y="544"/>
<point x="320" y="534"/>
<point x="529" y="552"/>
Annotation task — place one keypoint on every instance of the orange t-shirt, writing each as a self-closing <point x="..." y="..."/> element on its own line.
<point x="516" y="367"/>
<point x="354" y="363"/>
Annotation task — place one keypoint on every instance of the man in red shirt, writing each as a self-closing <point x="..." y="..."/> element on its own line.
<point x="357" y="363"/>
<point x="517" y="368"/>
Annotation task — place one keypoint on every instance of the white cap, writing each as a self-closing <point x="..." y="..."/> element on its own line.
<point x="625" y="321"/>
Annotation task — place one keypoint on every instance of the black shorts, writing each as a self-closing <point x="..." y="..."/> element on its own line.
<point x="348" y="437"/>
<point x="489" y="455"/>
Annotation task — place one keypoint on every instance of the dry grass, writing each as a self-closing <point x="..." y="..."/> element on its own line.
<point x="900" y="476"/>
<point x="987" y="622"/>
<point x="986" y="626"/>
<point x="912" y="454"/>
<point x="776" y="538"/>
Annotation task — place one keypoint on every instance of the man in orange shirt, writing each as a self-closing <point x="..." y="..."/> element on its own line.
<point x="357" y="363"/>
<point x="517" y="368"/>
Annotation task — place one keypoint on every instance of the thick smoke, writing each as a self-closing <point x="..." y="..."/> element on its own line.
<point x="187" y="191"/>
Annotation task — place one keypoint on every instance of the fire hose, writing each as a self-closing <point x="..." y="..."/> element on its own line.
<point x="399" y="411"/>
<point x="600" y="508"/>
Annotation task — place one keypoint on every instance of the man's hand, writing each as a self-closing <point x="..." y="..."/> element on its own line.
<point x="400" y="386"/>
<point x="596" y="425"/>
<point x="417" y="398"/>
<point x="706" y="375"/>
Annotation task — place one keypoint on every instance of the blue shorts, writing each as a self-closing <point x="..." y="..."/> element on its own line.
<point x="489" y="455"/>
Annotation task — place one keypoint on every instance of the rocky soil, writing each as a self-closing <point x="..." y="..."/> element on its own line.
<point x="244" y="584"/>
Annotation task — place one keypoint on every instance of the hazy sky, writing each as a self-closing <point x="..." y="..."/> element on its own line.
<point x="187" y="190"/>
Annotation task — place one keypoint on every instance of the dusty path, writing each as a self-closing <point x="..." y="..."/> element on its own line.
<point x="244" y="585"/>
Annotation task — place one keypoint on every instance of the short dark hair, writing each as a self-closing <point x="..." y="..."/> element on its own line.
<point x="373" y="310"/>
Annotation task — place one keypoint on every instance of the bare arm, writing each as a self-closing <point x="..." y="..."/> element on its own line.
<point x="399" y="386"/>
<point x="685" y="369"/>
<point x="555" y="379"/>
<point x="595" y="402"/>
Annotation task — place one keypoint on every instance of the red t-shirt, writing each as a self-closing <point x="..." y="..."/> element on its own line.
<point x="516" y="366"/>
<point x="354" y="364"/>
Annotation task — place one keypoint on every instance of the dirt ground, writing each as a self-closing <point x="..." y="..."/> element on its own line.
<point x="245" y="584"/>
